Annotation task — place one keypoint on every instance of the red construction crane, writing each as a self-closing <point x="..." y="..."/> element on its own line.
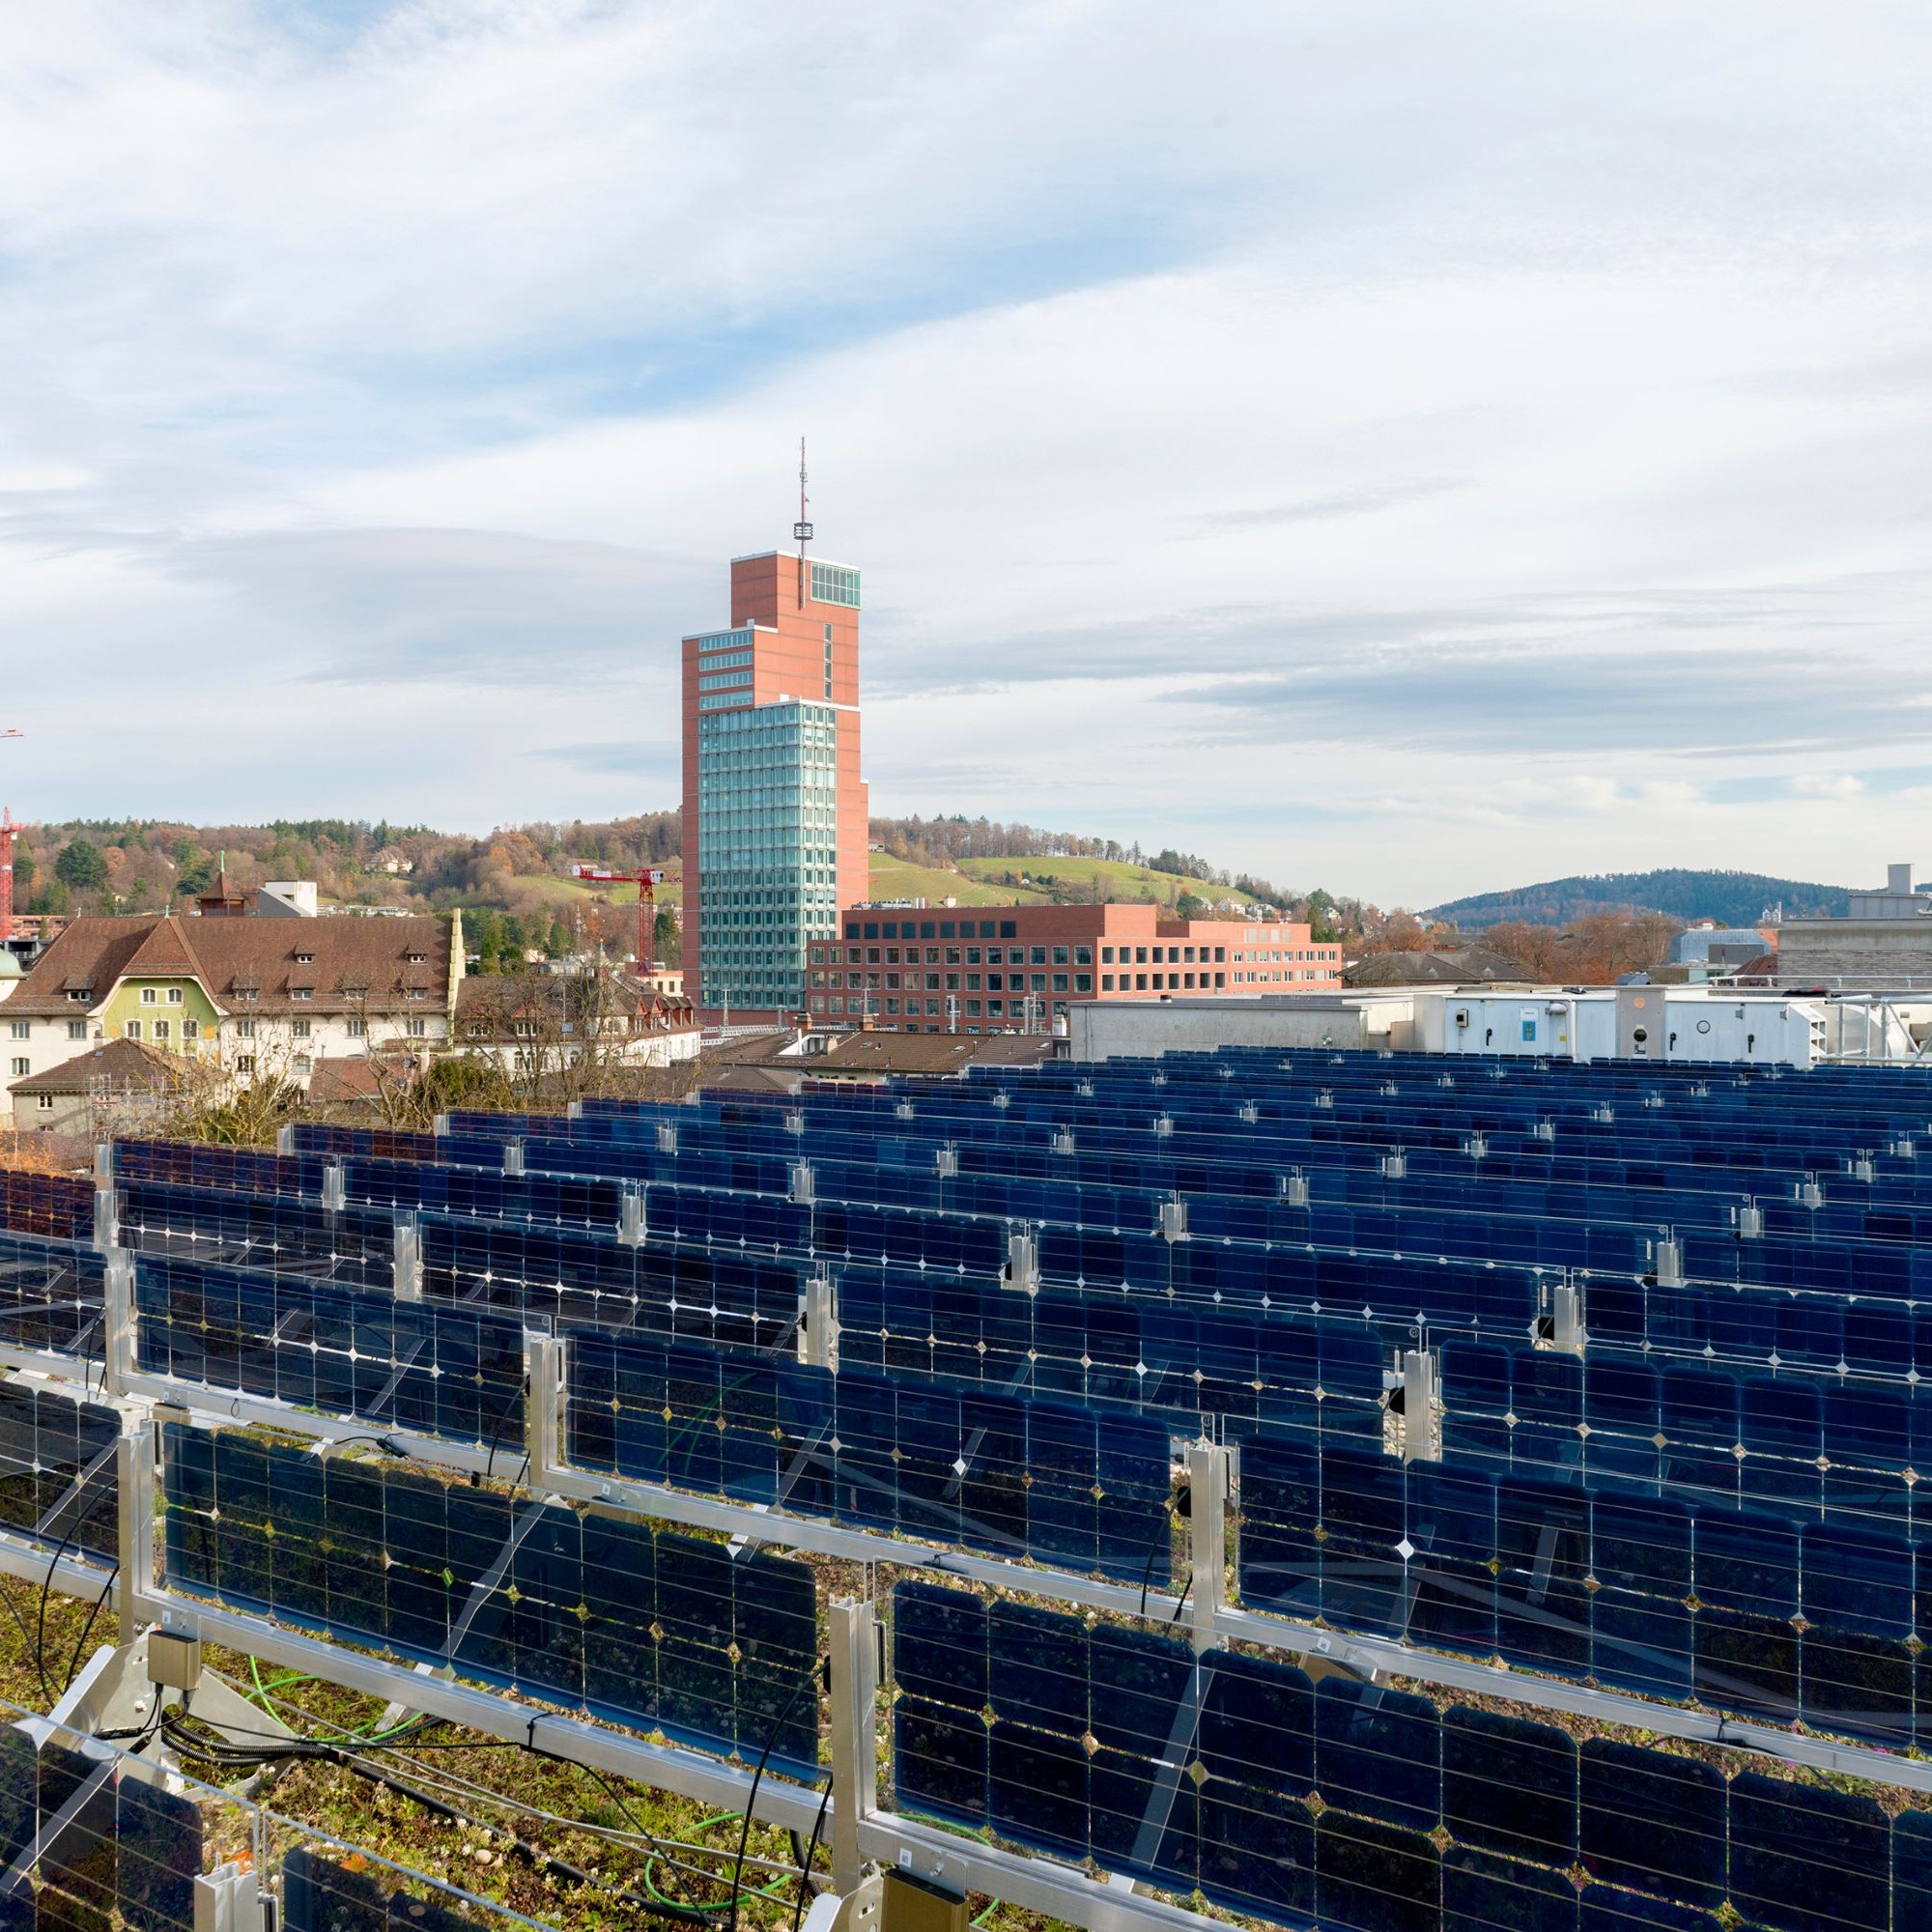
<point x="9" y="831"/>
<point x="648" y="905"/>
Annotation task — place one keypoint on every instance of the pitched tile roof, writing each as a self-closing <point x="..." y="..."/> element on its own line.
<point x="354" y="963"/>
<point x="125" y="1065"/>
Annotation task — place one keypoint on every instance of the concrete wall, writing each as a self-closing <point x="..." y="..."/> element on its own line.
<point x="1099" y="1030"/>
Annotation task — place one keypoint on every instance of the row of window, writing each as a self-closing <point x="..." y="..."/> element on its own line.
<point x="726" y="680"/>
<point x="951" y="983"/>
<point x="1162" y="983"/>
<point x="933" y="928"/>
<point x="1291" y="955"/>
<point x="1156" y="955"/>
<point x="958" y="955"/>
<point x="834" y="583"/>
<point x="893" y="1007"/>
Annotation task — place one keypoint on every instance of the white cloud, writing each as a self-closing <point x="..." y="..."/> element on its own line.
<point x="1420" y="450"/>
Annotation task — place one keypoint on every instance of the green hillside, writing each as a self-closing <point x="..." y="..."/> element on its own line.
<point x="1118" y="879"/>
<point x="1731" y="898"/>
<point x="894" y="879"/>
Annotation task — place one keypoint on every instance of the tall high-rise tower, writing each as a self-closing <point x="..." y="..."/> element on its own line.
<point x="775" y="809"/>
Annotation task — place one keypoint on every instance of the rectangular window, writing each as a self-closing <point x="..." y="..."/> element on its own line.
<point x="972" y="955"/>
<point x="1059" y="982"/>
<point x="245" y="1063"/>
<point x="133" y="1029"/>
<point x="162" y="1029"/>
<point x="1083" y="955"/>
<point x="419" y="1028"/>
<point x="1060" y="956"/>
<point x="972" y="982"/>
<point x="191" y="1029"/>
<point x="995" y="1008"/>
<point x="973" y="1006"/>
<point x="174" y="996"/>
<point x="1083" y="982"/>
<point x="24" y="1029"/>
<point x="996" y="982"/>
<point x="76" y="1028"/>
<point x="1140" y="955"/>
<point x="834" y="583"/>
<point x="1106" y="955"/>
<point x="301" y="992"/>
<point x="1009" y="928"/>
<point x="1106" y="982"/>
<point x="1140" y="981"/>
<point x="245" y="1029"/>
<point x="1038" y="983"/>
<point x="1039" y="955"/>
<point x="1220" y="955"/>
<point x="21" y="1068"/>
<point x="302" y="1029"/>
<point x="150" y="996"/>
<point x="46" y="1103"/>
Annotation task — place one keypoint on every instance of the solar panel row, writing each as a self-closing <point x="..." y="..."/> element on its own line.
<point x="630" y="1623"/>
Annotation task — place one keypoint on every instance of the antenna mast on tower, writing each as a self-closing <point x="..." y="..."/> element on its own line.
<point x="801" y="529"/>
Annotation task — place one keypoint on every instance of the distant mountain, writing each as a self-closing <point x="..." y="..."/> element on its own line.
<point x="1731" y="898"/>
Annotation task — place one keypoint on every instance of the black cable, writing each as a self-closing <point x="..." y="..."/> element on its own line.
<point x="805" y="1859"/>
<point x="41" y="1615"/>
<point x="87" y="1629"/>
<point x="497" y="1433"/>
<point x="808" y="1681"/>
<point x="545" y="1863"/>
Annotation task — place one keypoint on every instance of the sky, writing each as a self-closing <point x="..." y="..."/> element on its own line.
<point x="1409" y="449"/>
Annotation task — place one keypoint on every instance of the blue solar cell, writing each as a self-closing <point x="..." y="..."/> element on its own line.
<point x="940" y="1641"/>
<point x="1257" y="1852"/>
<point x="1371" y="1877"/>
<point x="1039" y="1667"/>
<point x="1652" y="1819"/>
<point x="1509" y="1785"/>
<point x="1804" y="1859"/>
<point x="1378" y="1752"/>
<point x="1482" y="1893"/>
<point x="1037" y="1782"/>
<point x="1258" y="1722"/>
<point x="1603" y="1909"/>
<point x="940" y="1760"/>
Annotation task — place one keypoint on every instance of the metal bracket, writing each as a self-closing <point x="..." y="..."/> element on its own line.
<point x="406" y="1266"/>
<point x="632" y="1224"/>
<point x="1022" y="1268"/>
<point x="818" y="1323"/>
<point x="855" y="1744"/>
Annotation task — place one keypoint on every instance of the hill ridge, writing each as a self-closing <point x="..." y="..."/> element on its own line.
<point x="1730" y="898"/>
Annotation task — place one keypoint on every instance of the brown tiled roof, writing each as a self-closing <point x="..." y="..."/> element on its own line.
<point x="126" y="1065"/>
<point x="356" y="962"/>
<point x="340" y="1080"/>
<point x="495" y="1000"/>
<point x="872" y="1054"/>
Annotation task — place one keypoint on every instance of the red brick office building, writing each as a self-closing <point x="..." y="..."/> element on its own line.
<point x="993" y="968"/>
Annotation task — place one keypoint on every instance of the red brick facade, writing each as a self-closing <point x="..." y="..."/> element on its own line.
<point x="991" y="969"/>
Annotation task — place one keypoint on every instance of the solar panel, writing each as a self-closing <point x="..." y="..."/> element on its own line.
<point x="528" y="1596"/>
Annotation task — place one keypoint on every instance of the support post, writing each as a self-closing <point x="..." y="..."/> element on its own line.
<point x="1421" y="1428"/>
<point x="513" y="1157"/>
<point x="135" y="1529"/>
<point x="405" y="1268"/>
<point x="632" y="1226"/>
<point x="543" y="1411"/>
<point x="818" y="1323"/>
<point x="1207" y="1523"/>
<point x="334" y="1188"/>
<point x="855" y="1743"/>
<point x="117" y="1326"/>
